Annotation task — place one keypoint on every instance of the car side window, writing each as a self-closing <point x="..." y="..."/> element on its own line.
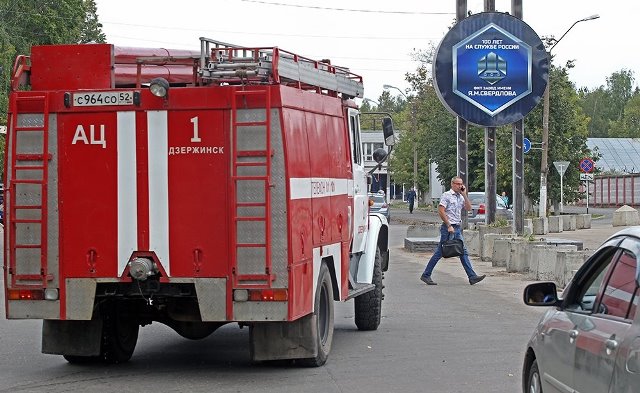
<point x="584" y="290"/>
<point x="617" y="296"/>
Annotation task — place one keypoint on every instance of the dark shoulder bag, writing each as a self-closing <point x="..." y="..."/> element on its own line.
<point x="452" y="247"/>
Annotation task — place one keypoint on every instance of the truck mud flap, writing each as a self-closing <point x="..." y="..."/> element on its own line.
<point x="73" y="338"/>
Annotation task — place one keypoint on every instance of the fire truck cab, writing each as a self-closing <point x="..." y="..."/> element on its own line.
<point x="194" y="189"/>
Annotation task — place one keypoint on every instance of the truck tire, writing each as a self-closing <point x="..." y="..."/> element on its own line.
<point x="368" y="306"/>
<point x="119" y="337"/>
<point x="323" y="311"/>
<point x="73" y="359"/>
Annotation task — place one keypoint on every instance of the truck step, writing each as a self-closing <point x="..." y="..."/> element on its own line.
<point x="359" y="289"/>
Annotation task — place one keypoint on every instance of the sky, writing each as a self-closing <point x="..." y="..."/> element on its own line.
<point x="374" y="38"/>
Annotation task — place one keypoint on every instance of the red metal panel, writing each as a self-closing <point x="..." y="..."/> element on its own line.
<point x="340" y="165"/>
<point x="301" y="289"/>
<point x="300" y="244"/>
<point x="310" y="102"/>
<point x="88" y="196"/>
<point x="71" y="67"/>
<point x="321" y="186"/>
<point x="198" y="187"/>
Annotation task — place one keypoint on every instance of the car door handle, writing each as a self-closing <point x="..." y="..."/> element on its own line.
<point x="573" y="334"/>
<point x="611" y="345"/>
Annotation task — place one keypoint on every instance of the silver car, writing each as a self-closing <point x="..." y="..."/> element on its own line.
<point x="589" y="340"/>
<point x="378" y="204"/>
<point x="479" y="204"/>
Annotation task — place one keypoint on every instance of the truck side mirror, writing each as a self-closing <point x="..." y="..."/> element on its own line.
<point x="387" y="131"/>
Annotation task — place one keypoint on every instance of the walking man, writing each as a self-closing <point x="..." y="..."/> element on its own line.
<point x="411" y="197"/>
<point x="450" y="210"/>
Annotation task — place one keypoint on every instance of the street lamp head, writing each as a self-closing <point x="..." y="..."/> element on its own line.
<point x="371" y="101"/>
<point x="387" y="87"/>
<point x="592" y="17"/>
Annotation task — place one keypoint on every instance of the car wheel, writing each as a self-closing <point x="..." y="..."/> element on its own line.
<point x="533" y="384"/>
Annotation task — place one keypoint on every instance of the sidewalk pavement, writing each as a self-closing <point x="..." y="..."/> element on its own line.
<point x="601" y="228"/>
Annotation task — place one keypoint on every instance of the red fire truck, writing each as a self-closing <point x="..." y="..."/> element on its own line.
<point x="193" y="189"/>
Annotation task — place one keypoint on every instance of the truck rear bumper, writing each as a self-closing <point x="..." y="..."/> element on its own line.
<point x="184" y="299"/>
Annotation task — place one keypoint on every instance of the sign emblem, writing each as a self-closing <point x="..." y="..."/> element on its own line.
<point x="492" y="68"/>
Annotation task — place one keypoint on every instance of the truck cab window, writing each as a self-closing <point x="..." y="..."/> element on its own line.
<point x="354" y="126"/>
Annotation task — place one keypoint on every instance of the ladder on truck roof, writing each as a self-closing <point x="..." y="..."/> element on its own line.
<point x="27" y="218"/>
<point x="232" y="64"/>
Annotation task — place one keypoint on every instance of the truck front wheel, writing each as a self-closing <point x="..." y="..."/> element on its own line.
<point x="368" y="306"/>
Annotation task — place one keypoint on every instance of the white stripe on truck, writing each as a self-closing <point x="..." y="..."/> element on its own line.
<point x="158" y="153"/>
<point x="127" y="191"/>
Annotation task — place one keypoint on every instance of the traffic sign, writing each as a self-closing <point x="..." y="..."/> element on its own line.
<point x="586" y="177"/>
<point x="526" y="145"/>
<point x="586" y="165"/>
<point x="561" y="166"/>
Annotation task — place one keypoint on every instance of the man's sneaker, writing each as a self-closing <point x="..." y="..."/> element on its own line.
<point x="476" y="279"/>
<point x="428" y="280"/>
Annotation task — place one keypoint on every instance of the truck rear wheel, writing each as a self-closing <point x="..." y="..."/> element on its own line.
<point x="119" y="336"/>
<point x="368" y="306"/>
<point x="81" y="359"/>
<point x="323" y="312"/>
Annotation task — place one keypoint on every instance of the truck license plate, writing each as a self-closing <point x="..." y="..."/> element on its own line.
<point x="103" y="98"/>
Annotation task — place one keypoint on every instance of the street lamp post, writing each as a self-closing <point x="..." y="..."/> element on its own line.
<point x="413" y="125"/>
<point x="544" y="167"/>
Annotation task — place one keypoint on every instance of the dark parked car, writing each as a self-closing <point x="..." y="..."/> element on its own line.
<point x="589" y="340"/>
<point x="479" y="204"/>
<point x="379" y="204"/>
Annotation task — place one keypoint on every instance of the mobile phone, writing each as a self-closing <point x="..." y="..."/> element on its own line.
<point x="462" y="188"/>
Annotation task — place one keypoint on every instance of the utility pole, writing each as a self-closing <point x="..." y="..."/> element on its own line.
<point x="544" y="165"/>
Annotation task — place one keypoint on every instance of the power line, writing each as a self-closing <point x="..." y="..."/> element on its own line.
<point x="348" y="9"/>
<point x="274" y="34"/>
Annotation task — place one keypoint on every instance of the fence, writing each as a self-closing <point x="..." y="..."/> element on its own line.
<point x="608" y="191"/>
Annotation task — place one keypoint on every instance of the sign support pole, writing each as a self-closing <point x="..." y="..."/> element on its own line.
<point x="517" y="166"/>
<point x="588" y="196"/>
<point x="561" y="190"/>
<point x="490" y="178"/>
<point x="462" y="125"/>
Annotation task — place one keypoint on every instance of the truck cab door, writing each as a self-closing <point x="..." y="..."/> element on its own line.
<point x="360" y="205"/>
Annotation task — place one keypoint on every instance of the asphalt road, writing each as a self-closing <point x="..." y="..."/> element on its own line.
<point x="452" y="337"/>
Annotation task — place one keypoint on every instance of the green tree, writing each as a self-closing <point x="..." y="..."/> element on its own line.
<point x="29" y="22"/>
<point x="629" y="125"/>
<point x="605" y="106"/>
<point x="567" y="139"/>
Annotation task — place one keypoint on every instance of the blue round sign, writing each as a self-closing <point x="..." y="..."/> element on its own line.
<point x="491" y="69"/>
<point x="526" y="145"/>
